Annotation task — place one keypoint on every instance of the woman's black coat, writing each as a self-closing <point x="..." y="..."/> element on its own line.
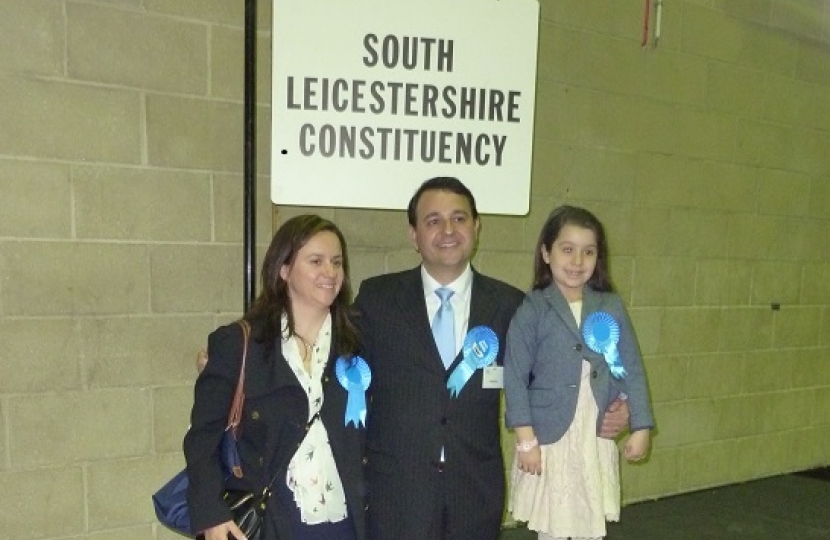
<point x="274" y="421"/>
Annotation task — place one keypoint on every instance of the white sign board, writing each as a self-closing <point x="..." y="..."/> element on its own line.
<point x="372" y="97"/>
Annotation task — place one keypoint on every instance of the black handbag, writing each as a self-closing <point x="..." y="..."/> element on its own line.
<point x="247" y="508"/>
<point x="248" y="511"/>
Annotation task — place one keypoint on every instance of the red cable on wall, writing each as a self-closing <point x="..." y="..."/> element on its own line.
<point x="645" y="23"/>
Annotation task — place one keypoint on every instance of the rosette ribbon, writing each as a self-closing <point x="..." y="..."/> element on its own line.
<point x="601" y="333"/>
<point x="481" y="346"/>
<point x="354" y="375"/>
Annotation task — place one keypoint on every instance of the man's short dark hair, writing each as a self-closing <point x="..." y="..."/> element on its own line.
<point x="440" y="183"/>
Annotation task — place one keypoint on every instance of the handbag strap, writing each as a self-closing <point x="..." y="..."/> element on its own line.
<point x="235" y="414"/>
<point x="268" y="490"/>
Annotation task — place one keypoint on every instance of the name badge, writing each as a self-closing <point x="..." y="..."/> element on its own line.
<point x="493" y="377"/>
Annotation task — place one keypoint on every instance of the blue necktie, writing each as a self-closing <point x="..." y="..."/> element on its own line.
<point x="443" y="327"/>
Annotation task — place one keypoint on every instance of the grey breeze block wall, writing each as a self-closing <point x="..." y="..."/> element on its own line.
<point x="708" y="159"/>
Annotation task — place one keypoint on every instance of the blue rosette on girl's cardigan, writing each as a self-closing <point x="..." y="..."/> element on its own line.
<point x="601" y="333"/>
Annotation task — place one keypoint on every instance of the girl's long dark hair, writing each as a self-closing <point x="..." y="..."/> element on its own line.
<point x="600" y="280"/>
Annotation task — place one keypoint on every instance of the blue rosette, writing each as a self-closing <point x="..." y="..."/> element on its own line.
<point x="354" y="375"/>
<point x="481" y="346"/>
<point x="601" y="333"/>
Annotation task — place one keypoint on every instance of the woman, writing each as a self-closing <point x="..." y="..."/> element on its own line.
<point x="294" y="429"/>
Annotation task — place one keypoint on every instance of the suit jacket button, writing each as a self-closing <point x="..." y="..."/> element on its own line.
<point x="444" y="421"/>
<point x="594" y="374"/>
<point x="578" y="347"/>
<point x="255" y="415"/>
<point x="261" y="461"/>
<point x="365" y="460"/>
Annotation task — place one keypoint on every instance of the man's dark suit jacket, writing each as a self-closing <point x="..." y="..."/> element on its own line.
<point x="274" y="418"/>
<point x="412" y="417"/>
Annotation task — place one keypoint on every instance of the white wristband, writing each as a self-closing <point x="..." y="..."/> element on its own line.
<point x="527" y="446"/>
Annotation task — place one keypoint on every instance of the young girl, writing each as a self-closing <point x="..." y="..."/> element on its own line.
<point x="570" y="351"/>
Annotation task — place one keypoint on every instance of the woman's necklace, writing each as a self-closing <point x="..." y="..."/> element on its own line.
<point x="306" y="349"/>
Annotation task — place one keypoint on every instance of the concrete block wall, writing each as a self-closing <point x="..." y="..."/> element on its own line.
<point x="120" y="247"/>
<point x="708" y="159"/>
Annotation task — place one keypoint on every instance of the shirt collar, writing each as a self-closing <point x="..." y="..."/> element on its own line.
<point x="461" y="286"/>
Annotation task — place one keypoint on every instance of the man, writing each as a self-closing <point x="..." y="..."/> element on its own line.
<point x="434" y="461"/>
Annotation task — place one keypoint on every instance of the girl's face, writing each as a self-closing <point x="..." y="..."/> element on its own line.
<point x="572" y="259"/>
<point x="316" y="275"/>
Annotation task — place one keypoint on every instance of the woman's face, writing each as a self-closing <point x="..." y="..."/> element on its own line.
<point x="315" y="277"/>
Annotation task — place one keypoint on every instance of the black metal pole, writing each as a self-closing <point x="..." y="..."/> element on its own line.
<point x="249" y="161"/>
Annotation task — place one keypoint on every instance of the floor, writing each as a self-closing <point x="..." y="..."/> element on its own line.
<point x="788" y="507"/>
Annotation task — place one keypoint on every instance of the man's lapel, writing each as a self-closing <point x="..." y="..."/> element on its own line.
<point x="409" y="299"/>
<point x="483" y="303"/>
